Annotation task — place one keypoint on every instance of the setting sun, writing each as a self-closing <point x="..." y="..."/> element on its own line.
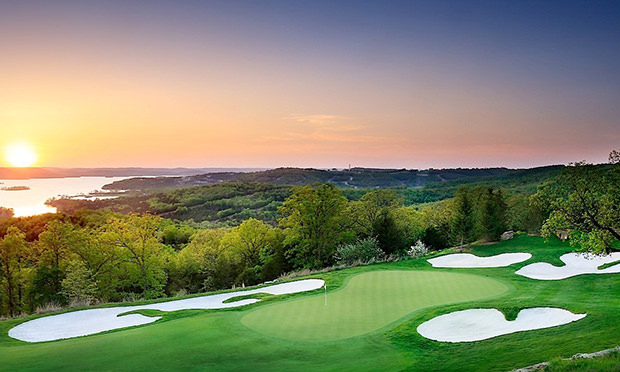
<point x="20" y="155"/>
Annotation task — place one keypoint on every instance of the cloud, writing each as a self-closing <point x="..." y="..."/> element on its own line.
<point x="324" y="128"/>
<point x="335" y="123"/>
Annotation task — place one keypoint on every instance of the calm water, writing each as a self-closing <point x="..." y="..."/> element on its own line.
<point x="31" y="202"/>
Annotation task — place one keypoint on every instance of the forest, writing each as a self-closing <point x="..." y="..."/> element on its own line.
<point x="87" y="256"/>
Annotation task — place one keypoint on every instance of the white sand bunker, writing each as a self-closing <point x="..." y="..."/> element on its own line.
<point x="481" y="324"/>
<point x="576" y="264"/>
<point x="88" y="322"/>
<point x="466" y="260"/>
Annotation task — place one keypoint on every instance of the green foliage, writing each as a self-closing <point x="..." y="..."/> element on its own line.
<point x="110" y="256"/>
<point x="586" y="200"/>
<point x="387" y="341"/>
<point x="177" y="235"/>
<point x="248" y="241"/>
<point x="491" y="212"/>
<point x="463" y="221"/>
<point x="46" y="286"/>
<point x="363" y="251"/>
<point x="314" y="220"/>
<point x="142" y="255"/>
<point x="79" y="286"/>
<point x="13" y="248"/>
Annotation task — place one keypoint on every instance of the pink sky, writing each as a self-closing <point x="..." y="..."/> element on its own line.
<point x="209" y="86"/>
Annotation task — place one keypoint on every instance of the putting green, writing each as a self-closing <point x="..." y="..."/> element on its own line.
<point x="368" y="302"/>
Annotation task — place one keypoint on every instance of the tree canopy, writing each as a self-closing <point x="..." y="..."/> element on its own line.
<point x="585" y="200"/>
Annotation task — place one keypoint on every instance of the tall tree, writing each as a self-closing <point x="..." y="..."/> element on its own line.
<point x="492" y="212"/>
<point x="314" y="219"/>
<point x="462" y="223"/>
<point x="248" y="240"/>
<point x="196" y="266"/>
<point x="99" y="259"/>
<point x="12" y="250"/>
<point x="374" y="216"/>
<point x="54" y="247"/>
<point x="137" y="238"/>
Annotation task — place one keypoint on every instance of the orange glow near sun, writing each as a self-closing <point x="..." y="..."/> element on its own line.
<point x="20" y="155"/>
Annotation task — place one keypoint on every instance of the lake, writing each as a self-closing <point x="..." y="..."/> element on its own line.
<point x="32" y="201"/>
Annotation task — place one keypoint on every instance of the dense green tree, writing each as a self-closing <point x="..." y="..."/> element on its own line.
<point x="246" y="241"/>
<point x="13" y="247"/>
<point x="315" y="223"/>
<point x="100" y="260"/>
<point x="491" y="212"/>
<point x="143" y="256"/>
<point x="462" y="223"/>
<point x="586" y="200"/>
<point x="374" y="217"/>
<point x="273" y="257"/>
<point x="53" y="248"/>
<point x="79" y="285"/>
<point x="409" y="223"/>
<point x="176" y="235"/>
<point x="56" y="242"/>
<point x="197" y="263"/>
<point x="436" y="220"/>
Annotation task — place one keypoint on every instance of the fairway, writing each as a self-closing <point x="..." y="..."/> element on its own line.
<point x="368" y="302"/>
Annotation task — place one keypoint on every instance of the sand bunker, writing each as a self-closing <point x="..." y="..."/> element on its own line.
<point x="466" y="260"/>
<point x="88" y="322"/>
<point x="481" y="324"/>
<point x="576" y="264"/>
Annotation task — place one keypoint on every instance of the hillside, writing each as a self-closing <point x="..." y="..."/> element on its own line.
<point x="230" y="198"/>
<point x="353" y="178"/>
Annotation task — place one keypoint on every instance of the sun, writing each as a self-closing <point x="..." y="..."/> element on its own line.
<point x="20" y="155"/>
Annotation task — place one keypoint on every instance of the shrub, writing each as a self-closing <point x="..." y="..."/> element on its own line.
<point x="364" y="250"/>
<point x="418" y="250"/>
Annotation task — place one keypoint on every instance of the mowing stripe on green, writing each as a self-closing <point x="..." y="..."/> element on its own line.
<point x="368" y="302"/>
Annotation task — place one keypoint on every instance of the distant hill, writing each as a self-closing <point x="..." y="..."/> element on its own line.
<point x="354" y="178"/>
<point x="37" y="172"/>
<point x="227" y="198"/>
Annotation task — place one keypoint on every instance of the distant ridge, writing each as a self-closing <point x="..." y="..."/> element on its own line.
<point x="51" y="172"/>
<point x="354" y="178"/>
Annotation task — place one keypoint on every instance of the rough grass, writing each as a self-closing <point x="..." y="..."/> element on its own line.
<point x="217" y="340"/>
<point x="607" y="363"/>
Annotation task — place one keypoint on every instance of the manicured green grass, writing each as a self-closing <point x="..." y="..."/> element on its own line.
<point x="368" y="302"/>
<point x="219" y="340"/>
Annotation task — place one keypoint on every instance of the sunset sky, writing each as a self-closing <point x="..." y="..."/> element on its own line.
<point x="411" y="84"/>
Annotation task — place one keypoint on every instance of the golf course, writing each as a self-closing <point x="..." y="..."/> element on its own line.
<point x="365" y="318"/>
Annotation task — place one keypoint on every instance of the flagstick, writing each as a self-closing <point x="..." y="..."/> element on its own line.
<point x="325" y="294"/>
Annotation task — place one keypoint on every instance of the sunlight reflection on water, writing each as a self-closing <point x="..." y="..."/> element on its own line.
<point x="32" y="202"/>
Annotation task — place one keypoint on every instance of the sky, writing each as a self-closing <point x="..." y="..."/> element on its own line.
<point x="390" y="84"/>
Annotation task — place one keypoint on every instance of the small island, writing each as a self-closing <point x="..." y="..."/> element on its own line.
<point x="15" y="188"/>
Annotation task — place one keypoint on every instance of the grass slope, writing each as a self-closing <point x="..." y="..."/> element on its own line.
<point x="219" y="341"/>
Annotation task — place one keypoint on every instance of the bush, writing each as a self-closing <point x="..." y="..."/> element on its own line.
<point x="418" y="250"/>
<point x="364" y="250"/>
